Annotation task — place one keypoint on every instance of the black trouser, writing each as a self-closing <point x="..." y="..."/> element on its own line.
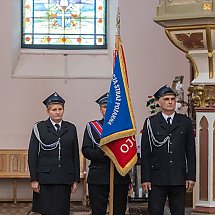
<point x="99" y="197"/>
<point x="176" y="196"/>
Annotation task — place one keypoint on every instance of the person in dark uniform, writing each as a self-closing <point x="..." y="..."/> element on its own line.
<point x="99" y="170"/>
<point x="53" y="158"/>
<point x="168" y="156"/>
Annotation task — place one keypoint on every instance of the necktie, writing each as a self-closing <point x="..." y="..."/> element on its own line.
<point x="58" y="127"/>
<point x="169" y="120"/>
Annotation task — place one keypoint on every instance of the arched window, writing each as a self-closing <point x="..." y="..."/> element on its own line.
<point x="64" y="24"/>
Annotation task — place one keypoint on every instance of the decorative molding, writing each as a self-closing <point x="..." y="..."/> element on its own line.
<point x="203" y="210"/>
<point x="194" y="65"/>
<point x="213" y="163"/>
<point x="203" y="158"/>
<point x="203" y="96"/>
<point x="195" y="41"/>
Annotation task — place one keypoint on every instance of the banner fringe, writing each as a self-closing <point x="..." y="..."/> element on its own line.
<point x="122" y="171"/>
<point x="125" y="81"/>
<point x="118" y="135"/>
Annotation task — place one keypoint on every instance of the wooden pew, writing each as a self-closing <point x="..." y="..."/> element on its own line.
<point x="14" y="166"/>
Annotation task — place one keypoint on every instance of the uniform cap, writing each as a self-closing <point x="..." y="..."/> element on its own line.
<point x="164" y="91"/>
<point x="53" y="98"/>
<point x="103" y="99"/>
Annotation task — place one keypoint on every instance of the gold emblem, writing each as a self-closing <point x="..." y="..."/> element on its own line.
<point x="207" y="6"/>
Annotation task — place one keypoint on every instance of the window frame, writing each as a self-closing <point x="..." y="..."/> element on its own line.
<point x="64" y="47"/>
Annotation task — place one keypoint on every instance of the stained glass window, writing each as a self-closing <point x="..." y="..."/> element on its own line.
<point x="64" y="24"/>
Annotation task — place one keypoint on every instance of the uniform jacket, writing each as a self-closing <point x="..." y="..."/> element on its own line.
<point x="99" y="168"/>
<point x="161" y="167"/>
<point x="44" y="165"/>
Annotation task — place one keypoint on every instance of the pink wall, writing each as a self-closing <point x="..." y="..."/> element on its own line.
<point x="152" y="60"/>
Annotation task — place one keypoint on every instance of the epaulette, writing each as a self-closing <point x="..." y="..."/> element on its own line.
<point x="184" y="115"/>
<point x="39" y="122"/>
<point x="152" y="116"/>
<point x="95" y="120"/>
<point x="92" y="121"/>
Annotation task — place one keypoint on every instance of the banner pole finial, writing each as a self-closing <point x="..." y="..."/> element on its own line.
<point x="118" y="23"/>
<point x="117" y="29"/>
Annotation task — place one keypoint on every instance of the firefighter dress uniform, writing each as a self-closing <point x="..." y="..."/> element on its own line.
<point x="53" y="158"/>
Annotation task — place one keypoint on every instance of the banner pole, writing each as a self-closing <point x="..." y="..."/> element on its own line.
<point x="111" y="195"/>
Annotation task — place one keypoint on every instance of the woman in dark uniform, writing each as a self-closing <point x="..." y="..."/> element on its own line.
<point x="53" y="158"/>
<point x="99" y="170"/>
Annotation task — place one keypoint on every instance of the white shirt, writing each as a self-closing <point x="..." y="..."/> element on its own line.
<point x="54" y="123"/>
<point x="166" y="116"/>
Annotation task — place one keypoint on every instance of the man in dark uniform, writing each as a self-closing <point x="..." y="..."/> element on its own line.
<point x="53" y="158"/>
<point x="99" y="170"/>
<point x="168" y="157"/>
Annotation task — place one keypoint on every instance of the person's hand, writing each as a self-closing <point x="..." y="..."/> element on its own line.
<point x="146" y="186"/>
<point x="74" y="187"/>
<point x="190" y="185"/>
<point x="35" y="186"/>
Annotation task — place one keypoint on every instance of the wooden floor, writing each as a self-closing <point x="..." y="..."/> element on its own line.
<point x="76" y="209"/>
<point x="25" y="209"/>
<point x="7" y="208"/>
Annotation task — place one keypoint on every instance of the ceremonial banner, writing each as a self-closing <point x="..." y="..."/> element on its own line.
<point x="117" y="139"/>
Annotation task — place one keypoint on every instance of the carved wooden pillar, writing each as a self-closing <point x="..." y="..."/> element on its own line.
<point x="204" y="192"/>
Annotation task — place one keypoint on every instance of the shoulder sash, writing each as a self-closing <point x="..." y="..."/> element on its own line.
<point x="97" y="127"/>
